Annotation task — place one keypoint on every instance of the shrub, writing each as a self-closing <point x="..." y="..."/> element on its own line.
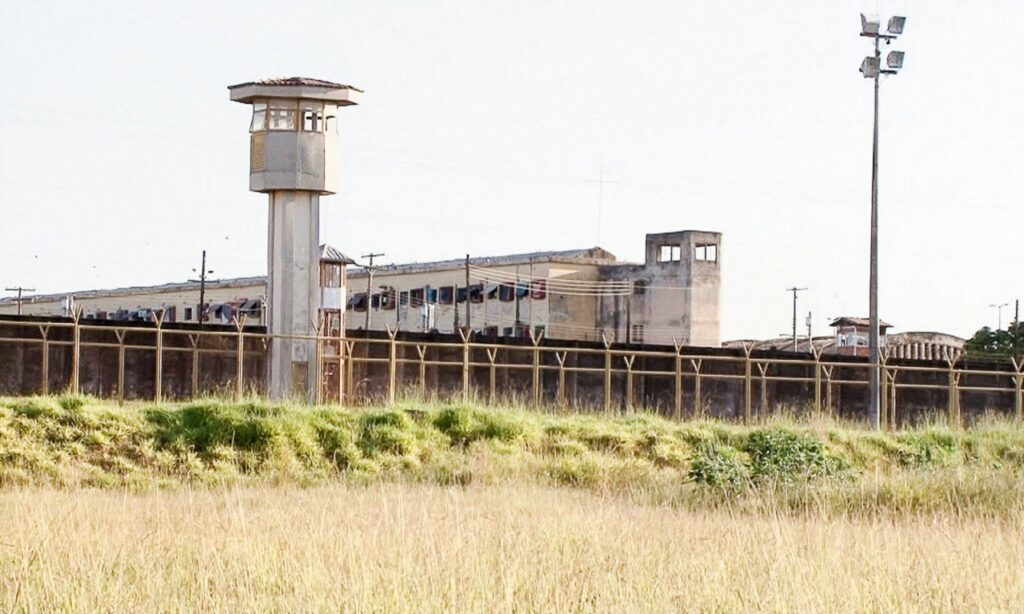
<point x="780" y="456"/>
<point x="718" y="466"/>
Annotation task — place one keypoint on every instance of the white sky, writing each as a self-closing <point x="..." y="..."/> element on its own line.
<point x="485" y="125"/>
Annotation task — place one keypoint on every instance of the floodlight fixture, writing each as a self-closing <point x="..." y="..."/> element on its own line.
<point x="869" y="25"/>
<point x="869" y="67"/>
<point x="895" y="60"/>
<point x="896" y="24"/>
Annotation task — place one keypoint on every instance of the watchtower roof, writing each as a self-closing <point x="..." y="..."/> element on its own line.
<point x="295" y="87"/>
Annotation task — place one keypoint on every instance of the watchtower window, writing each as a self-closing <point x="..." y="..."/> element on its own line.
<point x="706" y="252"/>
<point x="259" y="117"/>
<point x="281" y="115"/>
<point x="670" y="253"/>
<point x="312" y="116"/>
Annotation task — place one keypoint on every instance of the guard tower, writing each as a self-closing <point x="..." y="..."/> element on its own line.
<point x="293" y="157"/>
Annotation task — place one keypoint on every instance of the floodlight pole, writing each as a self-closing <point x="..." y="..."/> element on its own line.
<point x="874" y="356"/>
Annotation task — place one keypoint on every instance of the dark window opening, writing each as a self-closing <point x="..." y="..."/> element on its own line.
<point x="539" y="289"/>
<point x="476" y="293"/>
<point x="445" y="295"/>
<point x="416" y="297"/>
<point x="460" y="295"/>
<point x="639" y="287"/>
<point x="506" y="293"/>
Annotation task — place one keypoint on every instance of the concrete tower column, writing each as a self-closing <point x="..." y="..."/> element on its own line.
<point x="293" y="289"/>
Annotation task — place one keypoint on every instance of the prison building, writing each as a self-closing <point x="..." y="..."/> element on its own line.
<point x="225" y="301"/>
<point x="581" y="294"/>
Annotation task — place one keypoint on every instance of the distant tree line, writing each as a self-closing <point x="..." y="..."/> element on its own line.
<point x="989" y="343"/>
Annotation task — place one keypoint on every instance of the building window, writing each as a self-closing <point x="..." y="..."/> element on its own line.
<point x="706" y="252"/>
<point x="522" y="289"/>
<point x="387" y="299"/>
<point x="188" y="314"/>
<point x="445" y="295"/>
<point x="358" y="301"/>
<point x="670" y="253"/>
<point x="539" y="290"/>
<point x="506" y="293"/>
<point x="476" y="293"/>
<point x="639" y="287"/>
<point x="507" y="331"/>
<point x="490" y="331"/>
<point x="375" y="301"/>
<point x="416" y="297"/>
<point x="431" y="295"/>
<point x="460" y="295"/>
<point x="403" y="299"/>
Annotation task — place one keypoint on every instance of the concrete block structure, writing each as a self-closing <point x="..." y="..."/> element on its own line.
<point x="582" y="294"/>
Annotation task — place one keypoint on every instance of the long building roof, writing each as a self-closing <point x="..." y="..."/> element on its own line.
<point x="589" y="255"/>
<point x="592" y="255"/>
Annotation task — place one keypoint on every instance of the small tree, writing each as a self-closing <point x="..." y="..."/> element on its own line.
<point x="988" y="343"/>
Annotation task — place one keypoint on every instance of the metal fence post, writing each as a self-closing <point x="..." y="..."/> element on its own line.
<point x="44" y="367"/>
<point x="421" y="350"/>
<point x="120" y="333"/>
<point x="607" y="373"/>
<point x="349" y="375"/>
<point x="465" y="335"/>
<point x="318" y="361"/>
<point x="629" y="360"/>
<point x="953" y="400"/>
<point x="817" y="378"/>
<point x="194" y="341"/>
<point x="678" y="388"/>
<point x="76" y="347"/>
<point x="392" y="364"/>
<point x="158" y="390"/>
<point x="535" y="383"/>
<point x="1018" y="403"/>
<point x="698" y="405"/>
<point x="560" y="357"/>
<point x="827" y="370"/>
<point x="342" y="362"/>
<point x="892" y="374"/>
<point x="492" y="375"/>
<point x="239" y="358"/>
<point x="748" y="383"/>
<point x="762" y="368"/>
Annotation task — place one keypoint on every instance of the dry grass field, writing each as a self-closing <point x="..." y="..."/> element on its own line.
<point x="520" y="548"/>
<point x="257" y="507"/>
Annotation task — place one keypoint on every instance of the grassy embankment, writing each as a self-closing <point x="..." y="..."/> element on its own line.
<point x="70" y="441"/>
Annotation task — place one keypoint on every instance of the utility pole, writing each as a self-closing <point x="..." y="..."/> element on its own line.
<point x="369" y="287"/>
<point x="19" y="290"/>
<point x="871" y="68"/>
<point x="794" y="290"/>
<point x="469" y="325"/>
<point x="201" y="314"/>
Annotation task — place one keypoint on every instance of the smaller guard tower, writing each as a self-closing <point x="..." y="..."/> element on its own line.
<point x="293" y="158"/>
